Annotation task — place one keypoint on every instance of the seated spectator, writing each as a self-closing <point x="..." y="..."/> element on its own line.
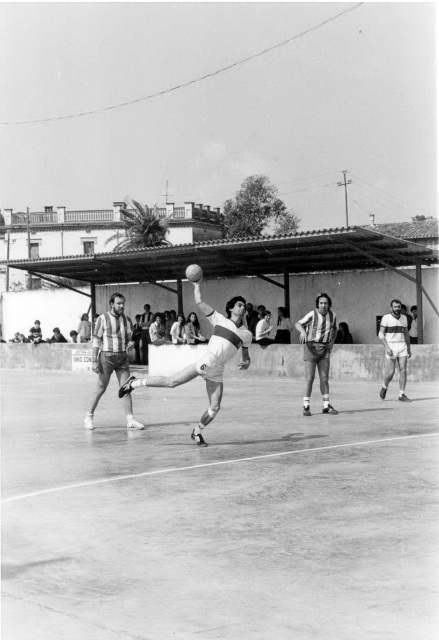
<point x="192" y="330"/>
<point x="413" y="331"/>
<point x="284" y="327"/>
<point x="19" y="337"/>
<point x="407" y="315"/>
<point x="73" y="336"/>
<point x="168" y="325"/>
<point x="343" y="335"/>
<point x="252" y="318"/>
<point x="173" y="315"/>
<point x="157" y="331"/>
<point x="35" y="333"/>
<point x="177" y="330"/>
<point x="136" y="337"/>
<point x="57" y="336"/>
<point x="264" y="329"/>
<point x="84" y="329"/>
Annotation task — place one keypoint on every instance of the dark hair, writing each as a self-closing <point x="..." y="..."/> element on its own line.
<point x="37" y="321"/>
<point x="114" y="296"/>
<point x="137" y="316"/>
<point x="56" y="330"/>
<point x="284" y="312"/>
<point x="267" y="313"/>
<point x="414" y="308"/>
<point x="181" y="315"/>
<point x="261" y="306"/>
<point x="147" y="305"/>
<point x="73" y="333"/>
<point x="159" y="316"/>
<point x="396" y="300"/>
<point x="344" y="326"/>
<point x="231" y="303"/>
<point x="84" y="316"/>
<point x="196" y="322"/>
<point x="323" y="295"/>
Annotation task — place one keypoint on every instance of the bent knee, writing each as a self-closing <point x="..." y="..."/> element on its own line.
<point x="213" y="409"/>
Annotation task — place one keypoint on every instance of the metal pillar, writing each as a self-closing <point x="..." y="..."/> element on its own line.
<point x="287" y="291"/>
<point x="419" y="302"/>
<point x="179" y="296"/>
<point x="93" y="299"/>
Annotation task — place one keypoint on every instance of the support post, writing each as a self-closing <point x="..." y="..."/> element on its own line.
<point x="93" y="300"/>
<point x="287" y="291"/>
<point x="419" y="302"/>
<point x="8" y="241"/>
<point x="179" y="296"/>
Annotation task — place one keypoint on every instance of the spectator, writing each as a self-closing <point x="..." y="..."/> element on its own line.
<point x="407" y="315"/>
<point x="57" y="336"/>
<point x="343" y="335"/>
<point x="19" y="337"/>
<point x="263" y="329"/>
<point x="95" y="319"/>
<point x="157" y="331"/>
<point x="35" y="333"/>
<point x="192" y="330"/>
<point x="413" y="331"/>
<point x="173" y="315"/>
<point x="73" y="336"/>
<point x="251" y="318"/>
<point x="147" y="319"/>
<point x="84" y="329"/>
<point x="168" y="325"/>
<point x="136" y="337"/>
<point x="284" y="327"/>
<point x="177" y="330"/>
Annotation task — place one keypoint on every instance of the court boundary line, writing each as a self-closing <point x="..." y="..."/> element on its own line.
<point x="209" y="464"/>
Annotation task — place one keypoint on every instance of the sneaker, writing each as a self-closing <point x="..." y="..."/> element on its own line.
<point x="306" y="411"/>
<point x="383" y="393"/>
<point x="330" y="409"/>
<point x="126" y="387"/>
<point x="88" y="423"/>
<point x="404" y="398"/>
<point x="198" y="438"/>
<point x="133" y="424"/>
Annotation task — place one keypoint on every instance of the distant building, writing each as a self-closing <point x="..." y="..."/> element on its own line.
<point x="423" y="232"/>
<point x="54" y="233"/>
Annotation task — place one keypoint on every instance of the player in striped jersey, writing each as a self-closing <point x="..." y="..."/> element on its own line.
<point x="229" y="335"/>
<point x="318" y="330"/>
<point x="111" y="343"/>
<point x="395" y="337"/>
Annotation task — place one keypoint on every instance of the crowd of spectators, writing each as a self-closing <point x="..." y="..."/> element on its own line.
<point x="35" y="333"/>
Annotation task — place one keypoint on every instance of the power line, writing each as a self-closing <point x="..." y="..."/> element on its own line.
<point x="190" y="82"/>
<point x="329" y="184"/>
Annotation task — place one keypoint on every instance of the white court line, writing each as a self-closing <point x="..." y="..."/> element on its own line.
<point x="212" y="464"/>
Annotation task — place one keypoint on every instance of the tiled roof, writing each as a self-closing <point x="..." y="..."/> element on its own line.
<point x="418" y="229"/>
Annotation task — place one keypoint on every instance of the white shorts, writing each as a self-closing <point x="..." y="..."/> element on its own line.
<point x="399" y="350"/>
<point x="210" y="368"/>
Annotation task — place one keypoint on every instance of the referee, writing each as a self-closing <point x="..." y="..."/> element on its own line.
<point x="111" y="343"/>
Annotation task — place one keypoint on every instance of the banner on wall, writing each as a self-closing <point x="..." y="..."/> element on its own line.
<point x="82" y="359"/>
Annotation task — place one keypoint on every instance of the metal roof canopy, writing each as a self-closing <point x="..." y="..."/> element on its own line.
<point x="352" y="248"/>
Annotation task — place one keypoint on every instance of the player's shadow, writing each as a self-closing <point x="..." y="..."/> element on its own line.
<point x="422" y="399"/>
<point x="365" y="410"/>
<point x="289" y="438"/>
<point x="10" y="571"/>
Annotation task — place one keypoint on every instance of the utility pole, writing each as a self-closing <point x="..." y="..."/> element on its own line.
<point x="29" y="277"/>
<point x="345" y="184"/>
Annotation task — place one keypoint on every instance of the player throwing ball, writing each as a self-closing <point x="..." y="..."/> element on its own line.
<point x="229" y="335"/>
<point x="395" y="337"/>
<point x="318" y="331"/>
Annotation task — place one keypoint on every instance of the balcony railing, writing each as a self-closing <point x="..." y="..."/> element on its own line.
<point x="106" y="215"/>
<point x="34" y="218"/>
<point x="179" y="212"/>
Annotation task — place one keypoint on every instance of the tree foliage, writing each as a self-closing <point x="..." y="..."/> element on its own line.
<point x="419" y="218"/>
<point x="143" y="228"/>
<point x="255" y="207"/>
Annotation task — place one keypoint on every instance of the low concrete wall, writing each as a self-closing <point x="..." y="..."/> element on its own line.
<point x="348" y="362"/>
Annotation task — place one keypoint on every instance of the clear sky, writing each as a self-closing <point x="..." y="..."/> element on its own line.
<point x="358" y="93"/>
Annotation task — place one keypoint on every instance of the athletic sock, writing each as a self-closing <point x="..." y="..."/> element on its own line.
<point x="90" y="415"/>
<point x="138" y="383"/>
<point x="198" y="429"/>
<point x="306" y="402"/>
<point x="325" y="398"/>
<point x="385" y="386"/>
<point x="401" y="393"/>
<point x="130" y="417"/>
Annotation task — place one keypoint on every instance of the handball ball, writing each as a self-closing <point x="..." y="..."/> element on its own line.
<point x="194" y="273"/>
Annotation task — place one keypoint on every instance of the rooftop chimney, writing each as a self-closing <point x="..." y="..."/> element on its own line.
<point x="372" y="219"/>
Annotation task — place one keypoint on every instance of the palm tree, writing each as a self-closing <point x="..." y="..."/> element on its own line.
<point x="143" y="228"/>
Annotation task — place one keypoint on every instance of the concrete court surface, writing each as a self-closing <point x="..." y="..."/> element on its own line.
<point x="284" y="527"/>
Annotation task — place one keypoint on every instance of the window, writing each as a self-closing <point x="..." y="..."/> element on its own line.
<point x="48" y="209"/>
<point x="34" y="250"/>
<point x="89" y="247"/>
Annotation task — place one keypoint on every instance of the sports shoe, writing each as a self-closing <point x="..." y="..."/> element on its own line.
<point x="126" y="387"/>
<point x="330" y="409"/>
<point x="383" y="393"/>
<point x="88" y="423"/>
<point x="306" y="411"/>
<point x="404" y="398"/>
<point x="198" y="439"/>
<point x="133" y="424"/>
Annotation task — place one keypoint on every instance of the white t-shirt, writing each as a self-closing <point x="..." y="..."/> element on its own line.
<point x="393" y="328"/>
<point x="260" y="327"/>
<point x="227" y="338"/>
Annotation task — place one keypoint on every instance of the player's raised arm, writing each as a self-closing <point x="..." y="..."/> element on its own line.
<point x="205" y="308"/>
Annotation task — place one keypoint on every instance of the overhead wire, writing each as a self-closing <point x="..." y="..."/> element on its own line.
<point x="190" y="82"/>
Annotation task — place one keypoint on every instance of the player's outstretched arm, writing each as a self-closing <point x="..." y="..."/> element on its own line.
<point x="245" y="359"/>
<point x="205" y="308"/>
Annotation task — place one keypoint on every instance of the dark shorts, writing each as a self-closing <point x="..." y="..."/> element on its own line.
<point x="315" y="351"/>
<point x="110" y="362"/>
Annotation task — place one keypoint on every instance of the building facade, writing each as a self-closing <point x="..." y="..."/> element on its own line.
<point x="60" y="233"/>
